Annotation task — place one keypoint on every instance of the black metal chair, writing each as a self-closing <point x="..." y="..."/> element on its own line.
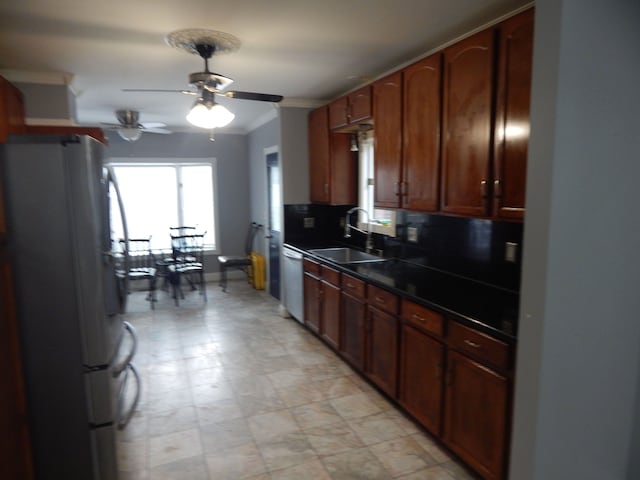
<point x="182" y="230"/>
<point x="188" y="263"/>
<point x="139" y="264"/>
<point x="227" y="262"/>
<point x="163" y="263"/>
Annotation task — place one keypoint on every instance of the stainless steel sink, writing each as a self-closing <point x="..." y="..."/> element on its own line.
<point x="345" y="255"/>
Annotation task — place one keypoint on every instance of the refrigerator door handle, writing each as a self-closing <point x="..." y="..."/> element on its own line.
<point x="122" y="417"/>
<point x="118" y="369"/>
<point x="112" y="179"/>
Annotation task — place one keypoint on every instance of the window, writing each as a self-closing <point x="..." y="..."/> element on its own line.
<point x="382" y="221"/>
<point x="157" y="196"/>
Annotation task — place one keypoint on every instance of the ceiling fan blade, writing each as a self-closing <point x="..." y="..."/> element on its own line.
<point x="148" y="125"/>
<point x="152" y="90"/>
<point x="111" y="125"/>
<point x="263" y="97"/>
<point x="156" y="130"/>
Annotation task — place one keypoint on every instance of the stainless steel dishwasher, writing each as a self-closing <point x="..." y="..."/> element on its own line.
<point x="293" y="283"/>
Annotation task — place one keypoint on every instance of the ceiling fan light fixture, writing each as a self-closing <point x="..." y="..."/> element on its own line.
<point x="130" y="134"/>
<point x="208" y="114"/>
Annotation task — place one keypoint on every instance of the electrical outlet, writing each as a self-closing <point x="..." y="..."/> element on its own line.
<point x="412" y="234"/>
<point x="309" y="222"/>
<point x="510" y="252"/>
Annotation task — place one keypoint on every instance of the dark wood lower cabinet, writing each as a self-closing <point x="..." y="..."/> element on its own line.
<point x="312" y="302"/>
<point x="421" y="371"/>
<point x="330" y="323"/>
<point x="382" y="350"/>
<point x="452" y="379"/>
<point x="476" y="415"/>
<point x="353" y="330"/>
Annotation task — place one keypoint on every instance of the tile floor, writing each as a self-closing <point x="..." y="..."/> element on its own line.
<point x="231" y="390"/>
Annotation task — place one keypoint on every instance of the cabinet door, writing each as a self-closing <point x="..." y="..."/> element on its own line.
<point x="319" y="156"/>
<point x="387" y="114"/>
<point x="421" y="368"/>
<point x="14" y="434"/>
<point x="339" y="113"/>
<point x="476" y="415"/>
<point x="382" y="351"/>
<point x="360" y="105"/>
<point x="312" y="302"/>
<point x="11" y="110"/>
<point x="352" y="345"/>
<point x="343" y="171"/>
<point x="421" y="134"/>
<point x="512" y="115"/>
<point x="467" y="128"/>
<point x="330" y="314"/>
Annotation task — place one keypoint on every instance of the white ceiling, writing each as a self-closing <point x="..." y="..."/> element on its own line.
<point x="309" y="51"/>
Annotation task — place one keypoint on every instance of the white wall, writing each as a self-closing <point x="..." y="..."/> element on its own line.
<point x="265" y="136"/>
<point x="578" y="363"/>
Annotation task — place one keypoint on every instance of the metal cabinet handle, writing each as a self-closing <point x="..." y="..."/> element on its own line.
<point x="419" y="318"/>
<point x="497" y="188"/>
<point x="483" y="188"/>
<point x="379" y="299"/>
<point x="118" y="369"/>
<point x="472" y="344"/>
<point x="123" y="418"/>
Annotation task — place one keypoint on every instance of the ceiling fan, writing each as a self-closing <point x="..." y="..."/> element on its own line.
<point x="206" y="112"/>
<point x="130" y="129"/>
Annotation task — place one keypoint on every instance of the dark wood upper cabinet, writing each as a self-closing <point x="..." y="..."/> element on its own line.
<point x="347" y="112"/>
<point x="339" y="113"/>
<point x="512" y="115"/>
<point x="467" y="124"/>
<point x="332" y="166"/>
<point x="422" y="90"/>
<point x="319" y="155"/>
<point x="387" y="112"/>
<point x="343" y="186"/>
<point x="360" y="105"/>
<point x="11" y="110"/>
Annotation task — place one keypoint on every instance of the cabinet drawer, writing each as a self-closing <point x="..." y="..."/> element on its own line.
<point x="311" y="266"/>
<point x="481" y="346"/>
<point x="330" y="275"/>
<point x="422" y="317"/>
<point x="353" y="286"/>
<point x="382" y="299"/>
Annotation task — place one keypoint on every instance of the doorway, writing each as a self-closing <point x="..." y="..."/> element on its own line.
<point x="274" y="227"/>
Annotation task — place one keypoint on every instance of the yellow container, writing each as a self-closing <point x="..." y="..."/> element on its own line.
<point x="257" y="271"/>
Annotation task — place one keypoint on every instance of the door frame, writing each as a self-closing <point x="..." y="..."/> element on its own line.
<point x="265" y="153"/>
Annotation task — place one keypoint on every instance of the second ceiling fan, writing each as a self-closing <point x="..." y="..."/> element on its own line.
<point x="206" y="112"/>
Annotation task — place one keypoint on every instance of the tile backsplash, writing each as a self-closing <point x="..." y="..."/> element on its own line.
<point x="474" y="248"/>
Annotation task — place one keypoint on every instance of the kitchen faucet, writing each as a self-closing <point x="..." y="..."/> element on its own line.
<point x="348" y="227"/>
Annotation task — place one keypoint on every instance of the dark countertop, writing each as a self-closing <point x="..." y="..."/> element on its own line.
<point x="492" y="310"/>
